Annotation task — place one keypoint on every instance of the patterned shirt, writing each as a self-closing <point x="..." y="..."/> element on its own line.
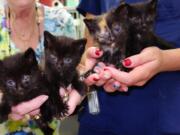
<point x="57" y="21"/>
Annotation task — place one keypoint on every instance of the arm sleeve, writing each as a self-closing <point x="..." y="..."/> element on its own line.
<point x="96" y="7"/>
<point x="90" y="6"/>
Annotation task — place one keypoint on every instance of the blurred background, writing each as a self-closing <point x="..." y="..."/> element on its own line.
<point x="70" y="6"/>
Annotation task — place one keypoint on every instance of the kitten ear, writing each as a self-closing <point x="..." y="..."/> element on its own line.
<point x="80" y="44"/>
<point x="30" y="57"/>
<point x="122" y="1"/>
<point x="152" y="5"/>
<point x="91" y="24"/>
<point x="48" y="38"/>
<point x="123" y="10"/>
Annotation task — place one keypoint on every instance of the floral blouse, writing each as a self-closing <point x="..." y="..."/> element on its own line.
<point x="57" y="21"/>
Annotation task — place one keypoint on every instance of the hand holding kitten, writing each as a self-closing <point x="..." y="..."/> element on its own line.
<point x="31" y="108"/>
<point x="144" y="66"/>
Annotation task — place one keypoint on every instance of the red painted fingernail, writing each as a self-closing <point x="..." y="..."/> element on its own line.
<point x="96" y="79"/>
<point x="105" y="69"/>
<point x="127" y="62"/>
<point x="97" y="52"/>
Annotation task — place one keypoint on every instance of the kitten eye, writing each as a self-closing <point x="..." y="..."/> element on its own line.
<point x="67" y="60"/>
<point x="10" y="84"/>
<point x="117" y="29"/>
<point x="53" y="58"/>
<point x="26" y="79"/>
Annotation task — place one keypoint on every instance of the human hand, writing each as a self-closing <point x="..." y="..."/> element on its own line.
<point x="100" y="76"/>
<point x="144" y="66"/>
<point x="71" y="97"/>
<point x="30" y="108"/>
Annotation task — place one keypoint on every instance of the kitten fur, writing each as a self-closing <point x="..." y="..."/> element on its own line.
<point x="22" y="80"/>
<point x="62" y="56"/>
<point x="125" y="31"/>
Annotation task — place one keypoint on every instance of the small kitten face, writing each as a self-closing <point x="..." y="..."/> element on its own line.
<point x="98" y="27"/>
<point x="106" y="29"/>
<point x="142" y="15"/>
<point x="114" y="30"/>
<point x="115" y="24"/>
<point x="19" y="74"/>
<point x="17" y="87"/>
<point x="63" y="54"/>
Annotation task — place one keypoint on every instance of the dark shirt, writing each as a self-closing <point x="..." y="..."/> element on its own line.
<point x="150" y="110"/>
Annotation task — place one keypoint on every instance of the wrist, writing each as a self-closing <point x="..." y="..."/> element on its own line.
<point x="170" y="60"/>
<point x="162" y="61"/>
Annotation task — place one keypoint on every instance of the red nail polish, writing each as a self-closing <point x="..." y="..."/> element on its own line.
<point x="96" y="79"/>
<point x="127" y="62"/>
<point x="97" y="52"/>
<point x="105" y="69"/>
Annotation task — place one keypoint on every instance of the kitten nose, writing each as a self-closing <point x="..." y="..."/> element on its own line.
<point x="59" y="66"/>
<point x="144" y="25"/>
<point x="20" y="90"/>
<point x="25" y="83"/>
<point x="112" y="38"/>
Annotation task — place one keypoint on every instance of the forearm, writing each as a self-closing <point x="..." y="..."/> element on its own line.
<point x="171" y="60"/>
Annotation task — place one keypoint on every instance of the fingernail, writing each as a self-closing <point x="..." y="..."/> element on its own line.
<point x="44" y="98"/>
<point x="107" y="75"/>
<point x="125" y="89"/>
<point x="96" y="70"/>
<point x="98" y="65"/>
<point x="127" y="62"/>
<point x="96" y="79"/>
<point x="97" y="52"/>
<point x="105" y="69"/>
<point x="116" y="86"/>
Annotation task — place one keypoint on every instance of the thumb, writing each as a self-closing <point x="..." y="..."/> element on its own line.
<point x="26" y="107"/>
<point x="137" y="60"/>
<point x="92" y="55"/>
<point x="74" y="99"/>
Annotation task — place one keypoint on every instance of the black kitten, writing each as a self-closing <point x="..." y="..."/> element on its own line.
<point x="62" y="56"/>
<point x="125" y="31"/>
<point x="20" y="80"/>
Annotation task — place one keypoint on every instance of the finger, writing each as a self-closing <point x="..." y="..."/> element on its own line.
<point x="92" y="79"/>
<point x="62" y="91"/>
<point x="74" y="99"/>
<point x="35" y="112"/>
<point x="113" y="86"/>
<point x="69" y="88"/>
<point x="91" y="57"/>
<point x="93" y="52"/>
<point x="139" y="59"/>
<point x="123" y="88"/>
<point x="108" y="86"/>
<point x="141" y="83"/>
<point x="99" y="67"/>
<point x="124" y="77"/>
<point x="136" y="75"/>
<point x="15" y="117"/>
<point x="104" y="76"/>
<point x="28" y="106"/>
<point x="119" y="86"/>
